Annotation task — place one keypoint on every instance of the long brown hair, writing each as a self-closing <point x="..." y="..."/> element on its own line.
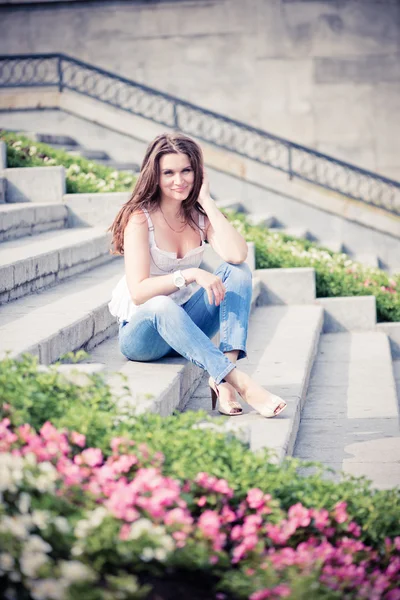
<point x="146" y="193"/>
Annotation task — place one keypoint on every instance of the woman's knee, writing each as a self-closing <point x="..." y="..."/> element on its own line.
<point x="160" y="304"/>
<point x="240" y="271"/>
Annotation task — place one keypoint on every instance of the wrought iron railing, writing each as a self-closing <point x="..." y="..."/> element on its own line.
<point x="297" y="161"/>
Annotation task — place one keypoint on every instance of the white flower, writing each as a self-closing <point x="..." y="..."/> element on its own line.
<point x="24" y="502"/>
<point x="160" y="554"/>
<point x="167" y="542"/>
<point x="74" y="571"/>
<point x="6" y="480"/>
<point x="48" y="589"/>
<point x="93" y="520"/>
<point x="61" y="524"/>
<point x="36" y="544"/>
<point x="30" y="562"/>
<point x="82" y="528"/>
<point x="114" y="175"/>
<point x="15" y="526"/>
<point x="6" y="562"/>
<point x="147" y="554"/>
<point x="32" y="150"/>
<point x="73" y="169"/>
<point x="97" y="516"/>
<point x="76" y="550"/>
<point x="139" y="527"/>
<point x="30" y="459"/>
<point x="40" y="518"/>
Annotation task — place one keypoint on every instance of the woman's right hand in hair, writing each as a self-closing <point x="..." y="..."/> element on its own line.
<point x="212" y="284"/>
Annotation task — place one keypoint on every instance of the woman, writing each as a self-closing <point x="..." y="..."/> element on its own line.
<point x="167" y="304"/>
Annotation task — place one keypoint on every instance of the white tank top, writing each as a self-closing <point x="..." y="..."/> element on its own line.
<point x="162" y="262"/>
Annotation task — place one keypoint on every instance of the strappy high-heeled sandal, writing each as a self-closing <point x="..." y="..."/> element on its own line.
<point x="269" y="411"/>
<point x="235" y="407"/>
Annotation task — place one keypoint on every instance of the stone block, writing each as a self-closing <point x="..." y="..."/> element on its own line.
<point x="3" y="156"/>
<point x="94" y="209"/>
<point x="2" y="190"/>
<point x="71" y="338"/>
<point x="36" y="184"/>
<point x="286" y="286"/>
<point x="6" y="278"/>
<point x="348" y="314"/>
<point x="392" y="330"/>
<point x="103" y="319"/>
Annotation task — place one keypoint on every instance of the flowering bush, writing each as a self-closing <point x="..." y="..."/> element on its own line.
<point x="75" y="523"/>
<point x="82" y="175"/>
<point x="190" y="443"/>
<point x="336" y="274"/>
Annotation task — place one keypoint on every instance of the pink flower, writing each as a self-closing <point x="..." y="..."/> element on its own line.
<point x="124" y="531"/>
<point x="300" y="515"/>
<point x="354" y="529"/>
<point x="321" y="518"/>
<point x="221" y="487"/>
<point x="340" y="513"/>
<point x="178" y="515"/>
<point x="282" y="591"/>
<point x="91" y="456"/>
<point x="255" y="498"/>
<point x="228" y="515"/>
<point x="78" y="439"/>
<point x="202" y="501"/>
<point x="209" y="523"/>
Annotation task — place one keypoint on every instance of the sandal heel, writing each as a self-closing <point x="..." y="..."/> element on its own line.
<point x="213" y="398"/>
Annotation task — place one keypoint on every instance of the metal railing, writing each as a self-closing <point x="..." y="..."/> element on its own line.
<point x="66" y="73"/>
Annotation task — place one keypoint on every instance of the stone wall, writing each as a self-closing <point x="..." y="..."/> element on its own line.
<point x="322" y="73"/>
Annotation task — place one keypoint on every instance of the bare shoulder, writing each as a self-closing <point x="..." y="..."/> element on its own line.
<point x="137" y="220"/>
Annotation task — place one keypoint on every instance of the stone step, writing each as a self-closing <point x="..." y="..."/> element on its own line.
<point x="120" y="166"/>
<point x="282" y="344"/>
<point x="161" y="386"/>
<point x="371" y="260"/>
<point x="19" y="220"/>
<point x="28" y="264"/>
<point x="72" y="315"/>
<point x="2" y="190"/>
<point x="297" y="232"/>
<point x="233" y="205"/>
<point x="96" y="155"/>
<point x="350" y="419"/>
<point x="263" y="220"/>
<point x="334" y="245"/>
<point x="49" y="138"/>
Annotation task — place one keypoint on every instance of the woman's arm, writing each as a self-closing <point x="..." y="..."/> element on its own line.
<point x="141" y="286"/>
<point x="221" y="235"/>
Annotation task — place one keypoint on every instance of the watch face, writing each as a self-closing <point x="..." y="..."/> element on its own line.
<point x="179" y="280"/>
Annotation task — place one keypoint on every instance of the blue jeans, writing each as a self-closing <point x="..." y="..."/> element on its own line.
<point x="160" y="327"/>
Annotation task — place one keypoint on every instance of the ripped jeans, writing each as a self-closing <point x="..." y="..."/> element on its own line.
<point x="161" y="328"/>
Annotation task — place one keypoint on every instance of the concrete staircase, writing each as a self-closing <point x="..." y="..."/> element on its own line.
<point x="365" y="233"/>
<point x="350" y="420"/>
<point x="56" y="283"/>
<point x="272" y="222"/>
<point x="74" y="148"/>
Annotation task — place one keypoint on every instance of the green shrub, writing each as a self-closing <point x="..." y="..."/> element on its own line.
<point x="190" y="442"/>
<point x="336" y="274"/>
<point x="82" y="175"/>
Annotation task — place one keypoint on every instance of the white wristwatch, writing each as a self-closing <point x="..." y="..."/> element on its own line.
<point x="179" y="279"/>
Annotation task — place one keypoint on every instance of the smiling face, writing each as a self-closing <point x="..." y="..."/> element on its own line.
<point x="176" y="177"/>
